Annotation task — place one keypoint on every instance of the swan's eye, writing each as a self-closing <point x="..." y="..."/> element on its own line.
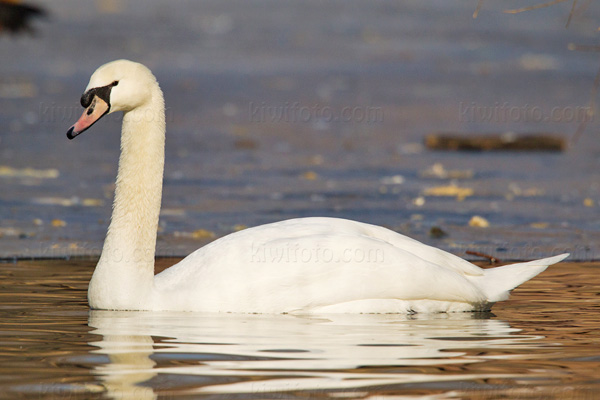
<point x="115" y="83"/>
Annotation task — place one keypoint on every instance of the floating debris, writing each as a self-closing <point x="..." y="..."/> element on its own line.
<point x="419" y="201"/>
<point x="197" y="234"/>
<point x="478" y="222"/>
<point x="309" y="176"/>
<point x="58" y="223"/>
<point x="588" y="202"/>
<point x="539" y="225"/>
<point x="449" y="191"/>
<point x="438" y="171"/>
<point x="54" y="201"/>
<point x="203" y="234"/>
<point x="516" y="190"/>
<point x="92" y="203"/>
<point x="437" y="233"/>
<point x="9" y="232"/>
<point x="498" y="142"/>
<point x="392" y="180"/>
<point x="10" y="172"/>
<point x="68" y="202"/>
<point x="109" y="6"/>
<point x="538" y="62"/>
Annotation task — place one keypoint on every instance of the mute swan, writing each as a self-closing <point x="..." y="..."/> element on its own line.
<point x="301" y="265"/>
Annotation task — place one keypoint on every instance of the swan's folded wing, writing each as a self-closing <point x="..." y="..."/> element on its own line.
<point x="262" y="270"/>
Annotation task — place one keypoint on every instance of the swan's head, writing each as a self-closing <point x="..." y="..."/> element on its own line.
<point x="120" y="85"/>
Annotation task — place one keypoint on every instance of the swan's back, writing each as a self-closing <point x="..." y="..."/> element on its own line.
<point x="321" y="264"/>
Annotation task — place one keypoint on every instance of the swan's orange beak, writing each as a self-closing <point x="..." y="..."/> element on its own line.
<point x="96" y="110"/>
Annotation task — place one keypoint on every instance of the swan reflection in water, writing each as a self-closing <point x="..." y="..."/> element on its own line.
<point x="187" y="353"/>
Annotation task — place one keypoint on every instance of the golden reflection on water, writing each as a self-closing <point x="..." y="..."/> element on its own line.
<point x="543" y="343"/>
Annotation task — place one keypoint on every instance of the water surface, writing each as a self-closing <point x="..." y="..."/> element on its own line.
<point x="255" y="95"/>
<point x="543" y="343"/>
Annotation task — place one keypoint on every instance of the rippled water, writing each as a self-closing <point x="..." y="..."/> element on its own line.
<point x="543" y="343"/>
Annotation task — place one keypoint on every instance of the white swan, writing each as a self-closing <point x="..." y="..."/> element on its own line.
<point x="300" y="265"/>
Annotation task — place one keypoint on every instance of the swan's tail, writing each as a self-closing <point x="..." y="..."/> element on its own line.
<point x="496" y="283"/>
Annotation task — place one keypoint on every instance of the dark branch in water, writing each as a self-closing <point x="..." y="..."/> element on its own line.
<point x="476" y="13"/>
<point x="542" y="5"/>
<point x="534" y="7"/>
<point x="492" y="259"/>
<point x="571" y="13"/>
<point x="498" y="142"/>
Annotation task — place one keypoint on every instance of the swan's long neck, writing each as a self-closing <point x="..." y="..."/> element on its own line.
<point x="124" y="275"/>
